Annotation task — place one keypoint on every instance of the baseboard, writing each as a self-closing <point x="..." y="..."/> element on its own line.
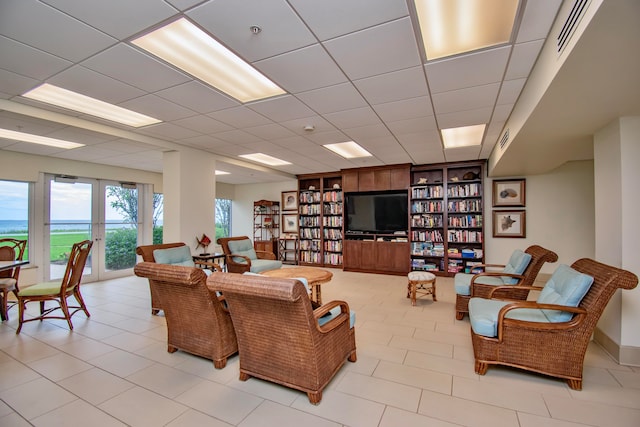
<point x="624" y="355"/>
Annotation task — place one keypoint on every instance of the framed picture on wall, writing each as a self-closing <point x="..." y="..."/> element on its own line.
<point x="289" y="223"/>
<point x="509" y="224"/>
<point x="509" y="192"/>
<point x="289" y="200"/>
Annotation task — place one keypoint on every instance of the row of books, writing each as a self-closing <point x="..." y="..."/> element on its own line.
<point x="332" y="258"/>
<point x="465" y="206"/>
<point x="332" y="233"/>
<point x="310" y="209"/>
<point x="309" y="233"/>
<point x="465" y="236"/>
<point x="465" y="221"/>
<point x="426" y="235"/>
<point x="332" y="196"/>
<point x="332" y="221"/>
<point x="309" y="221"/>
<point x="333" y="245"/>
<point x="427" y="249"/>
<point x="464" y="190"/>
<point x="310" y="197"/>
<point x="332" y="209"/>
<point x="426" y="220"/>
<point x="421" y="264"/>
<point x="432" y="192"/>
<point x="426" y="207"/>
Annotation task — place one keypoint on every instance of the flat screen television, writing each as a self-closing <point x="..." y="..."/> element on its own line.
<point x="381" y="212"/>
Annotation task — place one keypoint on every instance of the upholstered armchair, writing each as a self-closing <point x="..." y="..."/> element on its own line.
<point x="241" y="257"/>
<point x="521" y="269"/>
<point x="174" y="254"/>
<point x="549" y="336"/>
<point x="197" y="321"/>
<point x="280" y="337"/>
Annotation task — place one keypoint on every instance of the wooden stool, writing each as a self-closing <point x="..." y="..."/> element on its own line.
<point x="423" y="283"/>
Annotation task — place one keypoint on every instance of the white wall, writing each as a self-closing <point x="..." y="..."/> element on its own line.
<point x="559" y="216"/>
<point x="245" y="195"/>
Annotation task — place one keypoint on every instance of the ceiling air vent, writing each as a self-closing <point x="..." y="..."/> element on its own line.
<point x="504" y="140"/>
<point x="577" y="11"/>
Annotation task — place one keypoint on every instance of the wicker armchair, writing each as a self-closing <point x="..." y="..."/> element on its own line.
<point x="247" y="260"/>
<point x="539" y="256"/>
<point x="197" y="321"/>
<point x="280" y="338"/>
<point x="146" y="252"/>
<point x="555" y="349"/>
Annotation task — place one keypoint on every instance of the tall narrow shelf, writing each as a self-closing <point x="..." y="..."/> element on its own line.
<point x="447" y="220"/>
<point x="320" y="220"/>
<point x="266" y="225"/>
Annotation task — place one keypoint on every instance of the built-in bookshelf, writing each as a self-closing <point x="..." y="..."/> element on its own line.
<point x="446" y="217"/>
<point x="320" y="220"/>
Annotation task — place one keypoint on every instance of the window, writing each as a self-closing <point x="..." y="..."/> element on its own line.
<point x="158" y="215"/>
<point x="223" y="218"/>
<point x="14" y="215"/>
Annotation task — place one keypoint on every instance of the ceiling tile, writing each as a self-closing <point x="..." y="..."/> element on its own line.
<point x="537" y="19"/>
<point x="237" y="137"/>
<point x="302" y="70"/>
<point x="366" y="134"/>
<point x="71" y="40"/>
<point x="474" y="69"/>
<point x="270" y="131"/>
<point x="522" y="59"/>
<point x="510" y="91"/>
<point x="240" y="117"/>
<point x="14" y="84"/>
<point x="502" y="112"/>
<point x="168" y="131"/>
<point x="118" y="18"/>
<point x="464" y="118"/>
<point x="459" y="154"/>
<point x="405" y="109"/>
<point x="377" y="50"/>
<point x="331" y="137"/>
<point x="281" y="108"/>
<point x="157" y="107"/>
<point x="394" y="86"/>
<point x="466" y="99"/>
<point x="353" y="118"/>
<point x="417" y="124"/>
<point x="332" y="18"/>
<point x="333" y="99"/>
<point x="197" y="97"/>
<point x="282" y="30"/>
<point x="203" y="124"/>
<point x="298" y="125"/>
<point x="29" y="62"/>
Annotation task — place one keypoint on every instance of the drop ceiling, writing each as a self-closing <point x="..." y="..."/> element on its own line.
<point x="354" y="70"/>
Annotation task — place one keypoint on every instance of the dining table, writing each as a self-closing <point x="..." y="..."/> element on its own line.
<point x="8" y="265"/>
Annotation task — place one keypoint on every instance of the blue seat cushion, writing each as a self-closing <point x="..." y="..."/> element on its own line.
<point x="180" y="255"/>
<point x="244" y="248"/>
<point x="462" y="282"/>
<point x="517" y="264"/>
<point x="260" y="265"/>
<point x="333" y="313"/>
<point x="565" y="287"/>
<point x="483" y="315"/>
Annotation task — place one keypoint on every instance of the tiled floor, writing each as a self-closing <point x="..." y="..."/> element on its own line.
<point x="414" y="368"/>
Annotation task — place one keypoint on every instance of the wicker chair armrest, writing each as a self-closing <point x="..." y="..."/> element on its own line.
<point x="539" y="325"/>
<point x="265" y="255"/>
<point x="333" y="323"/>
<point x="230" y="260"/>
<point x="494" y="274"/>
<point x="498" y="288"/>
<point x="208" y="264"/>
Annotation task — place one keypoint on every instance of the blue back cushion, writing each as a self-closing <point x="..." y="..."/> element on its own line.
<point x="180" y="255"/>
<point x="565" y="287"/>
<point x="517" y="265"/>
<point x="242" y="247"/>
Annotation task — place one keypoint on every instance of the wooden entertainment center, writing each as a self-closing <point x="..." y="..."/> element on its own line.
<point x="444" y="211"/>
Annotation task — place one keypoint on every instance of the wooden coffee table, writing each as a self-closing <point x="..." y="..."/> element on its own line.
<point x="315" y="277"/>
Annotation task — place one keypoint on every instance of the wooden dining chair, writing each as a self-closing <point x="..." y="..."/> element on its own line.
<point x="10" y="250"/>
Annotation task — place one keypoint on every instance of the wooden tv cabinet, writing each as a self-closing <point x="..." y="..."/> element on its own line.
<point x="376" y="253"/>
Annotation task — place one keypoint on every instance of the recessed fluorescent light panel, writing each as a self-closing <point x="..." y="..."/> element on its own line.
<point x="221" y="172"/>
<point x="265" y="159"/>
<point x="451" y="27"/>
<point x="192" y="50"/>
<point x="466" y="136"/>
<point x="84" y="104"/>
<point x="37" y="139"/>
<point x="348" y="150"/>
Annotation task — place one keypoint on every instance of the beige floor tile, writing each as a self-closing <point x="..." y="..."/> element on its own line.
<point x="193" y="418"/>
<point x="140" y="407"/>
<point x="59" y="366"/>
<point x="414" y="377"/>
<point x="443" y="337"/>
<point x="465" y="412"/>
<point x="128" y="341"/>
<point x="95" y="385"/>
<point x="77" y="414"/>
<point x="121" y="363"/>
<point x="499" y="395"/>
<point x="86" y="348"/>
<point x="390" y="327"/>
<point x="204" y="368"/>
<point x="382" y="352"/>
<point x="266" y="390"/>
<point x="96" y="330"/>
<point x="626" y="379"/>
<point x="342" y="408"/>
<point x="422" y="346"/>
<point x="164" y="380"/>
<point x="592" y="413"/>
<point x="381" y="390"/>
<point x="30" y="351"/>
<point x="136" y="326"/>
<point x="4" y="409"/>
<point x="14" y="420"/>
<point x="615" y="396"/>
<point x="221" y="401"/>
<point x="14" y="373"/>
<point x="529" y="420"/>
<point x="371" y="336"/>
<point x="394" y="417"/>
<point x="365" y="365"/>
<point x="445" y="365"/>
<point x="273" y="414"/>
<point x="158" y="351"/>
<point x="520" y="378"/>
<point x="36" y="397"/>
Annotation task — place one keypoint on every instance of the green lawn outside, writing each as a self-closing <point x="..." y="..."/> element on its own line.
<point x="61" y="243"/>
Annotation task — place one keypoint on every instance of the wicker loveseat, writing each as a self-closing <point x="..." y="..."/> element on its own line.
<point x="280" y="337"/>
<point x="197" y="321"/>
<point x="550" y="335"/>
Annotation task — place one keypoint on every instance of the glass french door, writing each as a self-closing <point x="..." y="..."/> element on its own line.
<point x="102" y="211"/>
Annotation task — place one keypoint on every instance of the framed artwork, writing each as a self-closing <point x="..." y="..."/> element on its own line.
<point x="289" y="200"/>
<point x="509" y="224"/>
<point x="289" y="223"/>
<point x="509" y="192"/>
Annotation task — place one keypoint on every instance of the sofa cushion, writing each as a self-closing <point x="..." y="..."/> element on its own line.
<point x="462" y="282"/>
<point x="565" y="287"/>
<point x="483" y="315"/>
<point x="517" y="264"/>
<point x="180" y="255"/>
<point x="242" y="247"/>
